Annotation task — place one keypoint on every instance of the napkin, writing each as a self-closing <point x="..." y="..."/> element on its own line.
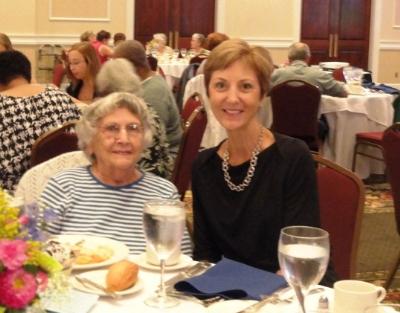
<point x="72" y="302"/>
<point x="232" y="279"/>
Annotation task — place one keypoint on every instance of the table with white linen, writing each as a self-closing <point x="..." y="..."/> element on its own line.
<point x="135" y="302"/>
<point x="348" y="116"/>
<point x="173" y="70"/>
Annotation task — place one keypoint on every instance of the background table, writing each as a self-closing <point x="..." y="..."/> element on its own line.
<point x="173" y="70"/>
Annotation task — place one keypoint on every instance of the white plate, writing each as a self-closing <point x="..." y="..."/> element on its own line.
<point x="184" y="261"/>
<point x="99" y="276"/>
<point x="229" y="306"/>
<point x="120" y="250"/>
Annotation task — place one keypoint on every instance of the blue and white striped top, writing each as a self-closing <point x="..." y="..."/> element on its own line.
<point x="85" y="205"/>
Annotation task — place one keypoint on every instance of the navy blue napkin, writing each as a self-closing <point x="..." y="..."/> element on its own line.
<point x="233" y="280"/>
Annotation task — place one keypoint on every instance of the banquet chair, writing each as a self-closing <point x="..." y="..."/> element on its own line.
<point x="295" y="106"/>
<point x="373" y="140"/>
<point x="54" y="142"/>
<point x="191" y="104"/>
<point x="338" y="74"/>
<point x="189" y="147"/>
<point x="34" y="180"/>
<point x="341" y="201"/>
<point x="58" y="74"/>
<point x="391" y="153"/>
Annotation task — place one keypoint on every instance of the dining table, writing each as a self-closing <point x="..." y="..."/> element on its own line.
<point x="367" y="112"/>
<point x="173" y="70"/>
<point x="150" y="279"/>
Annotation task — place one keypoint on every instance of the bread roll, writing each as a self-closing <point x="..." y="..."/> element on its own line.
<point x="122" y="275"/>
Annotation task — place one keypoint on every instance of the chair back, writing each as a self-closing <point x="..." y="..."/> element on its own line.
<point x="391" y="153"/>
<point x="190" y="145"/>
<point x="190" y="105"/>
<point x="58" y="73"/>
<point x="34" y="180"/>
<point x="341" y="201"/>
<point x="54" y="142"/>
<point x="338" y="74"/>
<point x="153" y="62"/>
<point x="295" y="106"/>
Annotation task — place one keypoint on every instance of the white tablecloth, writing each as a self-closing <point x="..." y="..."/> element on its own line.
<point x="135" y="302"/>
<point x="346" y="117"/>
<point x="173" y="70"/>
<point x="351" y="115"/>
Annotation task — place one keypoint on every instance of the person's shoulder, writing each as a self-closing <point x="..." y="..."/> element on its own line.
<point x="290" y="147"/>
<point x="204" y="156"/>
<point x="75" y="174"/>
<point x="154" y="181"/>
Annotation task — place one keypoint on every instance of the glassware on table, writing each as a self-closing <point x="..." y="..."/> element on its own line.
<point x="184" y="52"/>
<point x="176" y="54"/>
<point x="383" y="308"/>
<point x="303" y="254"/>
<point x="164" y="224"/>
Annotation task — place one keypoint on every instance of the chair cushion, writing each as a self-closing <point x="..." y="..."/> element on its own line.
<point x="374" y="137"/>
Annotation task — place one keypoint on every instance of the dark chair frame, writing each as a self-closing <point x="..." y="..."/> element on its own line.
<point x="295" y="107"/>
<point x="392" y="158"/>
<point x="56" y="141"/>
<point x="350" y="270"/>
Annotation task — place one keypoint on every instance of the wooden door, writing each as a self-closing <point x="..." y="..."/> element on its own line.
<point x="178" y="19"/>
<point x="337" y="30"/>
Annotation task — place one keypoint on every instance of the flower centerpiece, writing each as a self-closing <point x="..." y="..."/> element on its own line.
<point x="25" y="268"/>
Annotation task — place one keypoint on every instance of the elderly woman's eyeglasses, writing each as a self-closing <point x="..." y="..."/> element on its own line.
<point x="114" y="130"/>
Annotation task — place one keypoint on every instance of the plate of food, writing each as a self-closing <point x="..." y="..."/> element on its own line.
<point x="141" y="260"/>
<point x="86" y="252"/>
<point x="120" y="279"/>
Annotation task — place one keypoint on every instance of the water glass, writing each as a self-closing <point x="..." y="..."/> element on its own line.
<point x="164" y="224"/>
<point x="303" y="254"/>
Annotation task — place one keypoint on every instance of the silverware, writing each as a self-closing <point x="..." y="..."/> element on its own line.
<point x="205" y="302"/>
<point x="192" y="271"/>
<point x="87" y="282"/>
<point x="268" y="299"/>
<point x="291" y="298"/>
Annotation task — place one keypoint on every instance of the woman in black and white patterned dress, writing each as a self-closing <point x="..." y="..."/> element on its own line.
<point x="26" y="112"/>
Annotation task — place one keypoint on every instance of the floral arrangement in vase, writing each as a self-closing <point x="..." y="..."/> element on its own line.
<point x="26" y="270"/>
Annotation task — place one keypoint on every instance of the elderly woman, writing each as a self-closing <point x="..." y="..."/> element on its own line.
<point x="26" y="111"/>
<point x="107" y="197"/>
<point x="197" y="44"/>
<point x="119" y="75"/>
<point x="255" y="182"/>
<point x="161" y="45"/>
<point x="82" y="68"/>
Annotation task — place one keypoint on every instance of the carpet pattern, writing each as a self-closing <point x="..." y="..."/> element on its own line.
<point x="379" y="240"/>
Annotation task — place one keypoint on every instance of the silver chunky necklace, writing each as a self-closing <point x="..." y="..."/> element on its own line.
<point x="250" y="171"/>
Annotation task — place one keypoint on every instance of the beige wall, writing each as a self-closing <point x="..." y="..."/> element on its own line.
<point x="389" y="56"/>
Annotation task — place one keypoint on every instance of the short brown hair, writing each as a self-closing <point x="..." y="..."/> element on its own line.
<point x="214" y="39"/>
<point x="133" y="51"/>
<point x="234" y="50"/>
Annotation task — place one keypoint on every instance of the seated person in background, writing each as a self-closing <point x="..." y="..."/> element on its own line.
<point x="82" y="68"/>
<point x="255" y="182"/>
<point x="213" y="40"/>
<point x="107" y="197"/>
<point x="160" y="41"/>
<point x="197" y="45"/>
<point x="5" y="43"/>
<point x="100" y="45"/>
<point x="155" y="91"/>
<point x="26" y="112"/>
<point x="299" y="56"/>
<point x="118" y="38"/>
<point x="88" y="36"/>
<point x="119" y="75"/>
